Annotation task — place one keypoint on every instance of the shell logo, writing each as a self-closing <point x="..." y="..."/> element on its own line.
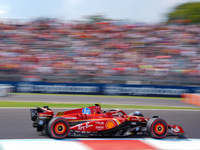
<point x="110" y="124"/>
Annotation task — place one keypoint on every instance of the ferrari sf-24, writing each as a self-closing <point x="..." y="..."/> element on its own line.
<point x="93" y="121"/>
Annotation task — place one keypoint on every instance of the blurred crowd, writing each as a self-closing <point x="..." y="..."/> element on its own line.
<point x="50" y="47"/>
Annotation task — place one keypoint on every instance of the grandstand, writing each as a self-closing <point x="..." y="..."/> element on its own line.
<point x="51" y="50"/>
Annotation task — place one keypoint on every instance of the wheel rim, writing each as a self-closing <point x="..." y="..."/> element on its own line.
<point x="60" y="128"/>
<point x="159" y="128"/>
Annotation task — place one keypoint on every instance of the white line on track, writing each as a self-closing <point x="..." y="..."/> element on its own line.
<point x="76" y="144"/>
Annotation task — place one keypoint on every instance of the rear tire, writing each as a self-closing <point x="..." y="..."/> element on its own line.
<point x="58" y="128"/>
<point x="157" y="128"/>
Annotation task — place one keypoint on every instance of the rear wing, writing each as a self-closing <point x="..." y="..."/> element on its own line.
<point x="44" y="111"/>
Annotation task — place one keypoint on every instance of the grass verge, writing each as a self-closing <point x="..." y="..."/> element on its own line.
<point x="69" y="105"/>
<point x="115" y="96"/>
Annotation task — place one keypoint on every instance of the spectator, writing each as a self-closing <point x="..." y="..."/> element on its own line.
<point x="51" y="47"/>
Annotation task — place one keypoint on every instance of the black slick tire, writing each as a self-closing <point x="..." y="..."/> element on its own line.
<point x="58" y="128"/>
<point x="157" y="128"/>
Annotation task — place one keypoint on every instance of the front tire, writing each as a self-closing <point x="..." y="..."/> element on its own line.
<point x="157" y="128"/>
<point x="58" y="128"/>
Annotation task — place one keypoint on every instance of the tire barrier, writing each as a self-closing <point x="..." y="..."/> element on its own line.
<point x="193" y="99"/>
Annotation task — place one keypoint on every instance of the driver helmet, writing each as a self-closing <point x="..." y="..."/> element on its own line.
<point x="97" y="104"/>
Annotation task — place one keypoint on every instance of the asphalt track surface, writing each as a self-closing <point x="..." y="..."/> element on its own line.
<point x="93" y="99"/>
<point x="15" y="123"/>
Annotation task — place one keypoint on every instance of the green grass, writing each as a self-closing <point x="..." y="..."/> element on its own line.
<point x="117" y="96"/>
<point x="69" y="105"/>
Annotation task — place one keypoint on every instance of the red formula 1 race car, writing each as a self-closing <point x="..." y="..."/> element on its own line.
<point x="92" y="121"/>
